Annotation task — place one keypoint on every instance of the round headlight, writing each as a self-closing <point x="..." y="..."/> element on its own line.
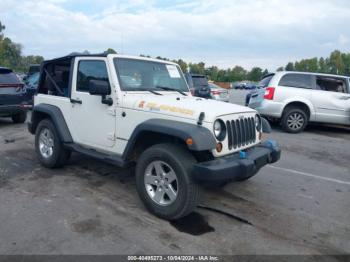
<point x="219" y="130"/>
<point x="258" y="122"/>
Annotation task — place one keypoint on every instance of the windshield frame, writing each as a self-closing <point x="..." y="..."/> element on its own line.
<point x="119" y="75"/>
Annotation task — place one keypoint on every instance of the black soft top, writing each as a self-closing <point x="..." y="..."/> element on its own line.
<point x="71" y="56"/>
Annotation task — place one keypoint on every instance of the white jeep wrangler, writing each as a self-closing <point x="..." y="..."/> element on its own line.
<point x="127" y="110"/>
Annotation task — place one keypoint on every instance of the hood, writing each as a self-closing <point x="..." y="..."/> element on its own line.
<point x="182" y="106"/>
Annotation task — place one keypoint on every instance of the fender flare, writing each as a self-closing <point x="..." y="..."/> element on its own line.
<point x="202" y="138"/>
<point x="56" y="116"/>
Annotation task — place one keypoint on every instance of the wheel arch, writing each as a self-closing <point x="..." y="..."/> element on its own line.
<point x="302" y="104"/>
<point x="46" y="111"/>
<point x="155" y="131"/>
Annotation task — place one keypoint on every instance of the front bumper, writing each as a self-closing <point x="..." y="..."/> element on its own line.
<point x="238" y="166"/>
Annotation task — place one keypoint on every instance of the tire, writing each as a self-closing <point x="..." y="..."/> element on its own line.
<point x="167" y="157"/>
<point x="19" y="118"/>
<point x="46" y="135"/>
<point x="294" y="120"/>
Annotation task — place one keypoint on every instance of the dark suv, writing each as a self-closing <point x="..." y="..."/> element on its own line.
<point x="13" y="98"/>
<point x="199" y="85"/>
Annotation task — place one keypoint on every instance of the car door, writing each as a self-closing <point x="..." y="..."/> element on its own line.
<point x="93" y="121"/>
<point x="331" y="106"/>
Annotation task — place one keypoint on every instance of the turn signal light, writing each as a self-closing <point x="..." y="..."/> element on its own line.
<point x="189" y="141"/>
<point x="218" y="147"/>
<point x="269" y="93"/>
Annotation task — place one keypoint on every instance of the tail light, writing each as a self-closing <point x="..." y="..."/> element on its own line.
<point x="269" y="93"/>
<point x="192" y="91"/>
<point x="215" y="92"/>
<point x="18" y="87"/>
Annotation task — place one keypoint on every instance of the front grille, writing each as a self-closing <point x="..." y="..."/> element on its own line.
<point x="240" y="132"/>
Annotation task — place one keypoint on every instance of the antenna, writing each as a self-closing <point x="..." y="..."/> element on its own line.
<point x="122" y="43"/>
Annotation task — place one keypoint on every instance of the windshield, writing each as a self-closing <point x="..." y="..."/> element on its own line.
<point x="141" y="75"/>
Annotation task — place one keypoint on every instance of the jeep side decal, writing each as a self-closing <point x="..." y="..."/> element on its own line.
<point x="155" y="107"/>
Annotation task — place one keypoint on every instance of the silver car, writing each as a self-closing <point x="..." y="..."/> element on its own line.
<point x="218" y="93"/>
<point x="297" y="98"/>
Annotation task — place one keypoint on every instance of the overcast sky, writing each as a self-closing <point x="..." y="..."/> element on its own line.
<point x="222" y="33"/>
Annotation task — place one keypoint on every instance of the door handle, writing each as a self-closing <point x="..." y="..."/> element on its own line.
<point x="76" y="101"/>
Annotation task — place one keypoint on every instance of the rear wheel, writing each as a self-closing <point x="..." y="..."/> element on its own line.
<point x="19" y="118"/>
<point x="294" y="120"/>
<point x="49" y="147"/>
<point x="164" y="183"/>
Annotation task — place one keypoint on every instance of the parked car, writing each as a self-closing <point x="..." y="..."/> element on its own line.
<point x="198" y="84"/>
<point x="297" y="98"/>
<point x="177" y="141"/>
<point x="13" y="99"/>
<point x="218" y="93"/>
<point x="33" y="69"/>
<point x="240" y="85"/>
<point x="21" y="76"/>
<point x="31" y="84"/>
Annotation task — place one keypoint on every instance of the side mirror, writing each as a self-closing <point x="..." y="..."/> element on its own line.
<point x="99" y="88"/>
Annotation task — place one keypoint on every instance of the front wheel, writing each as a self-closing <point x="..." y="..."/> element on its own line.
<point x="164" y="182"/>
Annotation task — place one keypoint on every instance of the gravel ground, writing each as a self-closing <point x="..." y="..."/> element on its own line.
<point x="300" y="205"/>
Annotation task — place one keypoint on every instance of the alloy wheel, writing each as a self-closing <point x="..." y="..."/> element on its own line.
<point x="46" y="143"/>
<point x="161" y="183"/>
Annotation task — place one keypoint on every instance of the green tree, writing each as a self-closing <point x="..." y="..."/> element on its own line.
<point x="322" y="67"/>
<point x="255" y="74"/>
<point x="10" y="54"/>
<point x="30" y="60"/>
<point x="265" y="72"/>
<point x="336" y="62"/>
<point x="198" y="68"/>
<point x="212" y="72"/>
<point x="346" y="60"/>
<point x="2" y="28"/>
<point x="290" y="66"/>
<point x="237" y="73"/>
<point x="183" y="65"/>
<point x="110" y="51"/>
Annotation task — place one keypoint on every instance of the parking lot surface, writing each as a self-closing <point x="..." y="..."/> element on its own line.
<point x="300" y="205"/>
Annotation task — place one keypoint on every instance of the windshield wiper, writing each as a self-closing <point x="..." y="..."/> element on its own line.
<point x="171" y="89"/>
<point x="154" y="92"/>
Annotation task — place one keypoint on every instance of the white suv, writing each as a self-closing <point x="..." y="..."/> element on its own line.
<point x="132" y="110"/>
<point x="297" y="98"/>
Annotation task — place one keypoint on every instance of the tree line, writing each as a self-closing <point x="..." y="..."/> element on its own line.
<point x="11" y="54"/>
<point x="337" y="63"/>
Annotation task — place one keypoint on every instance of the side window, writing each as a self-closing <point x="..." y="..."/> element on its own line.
<point x="331" y="84"/>
<point x="90" y="70"/>
<point x="296" y="80"/>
